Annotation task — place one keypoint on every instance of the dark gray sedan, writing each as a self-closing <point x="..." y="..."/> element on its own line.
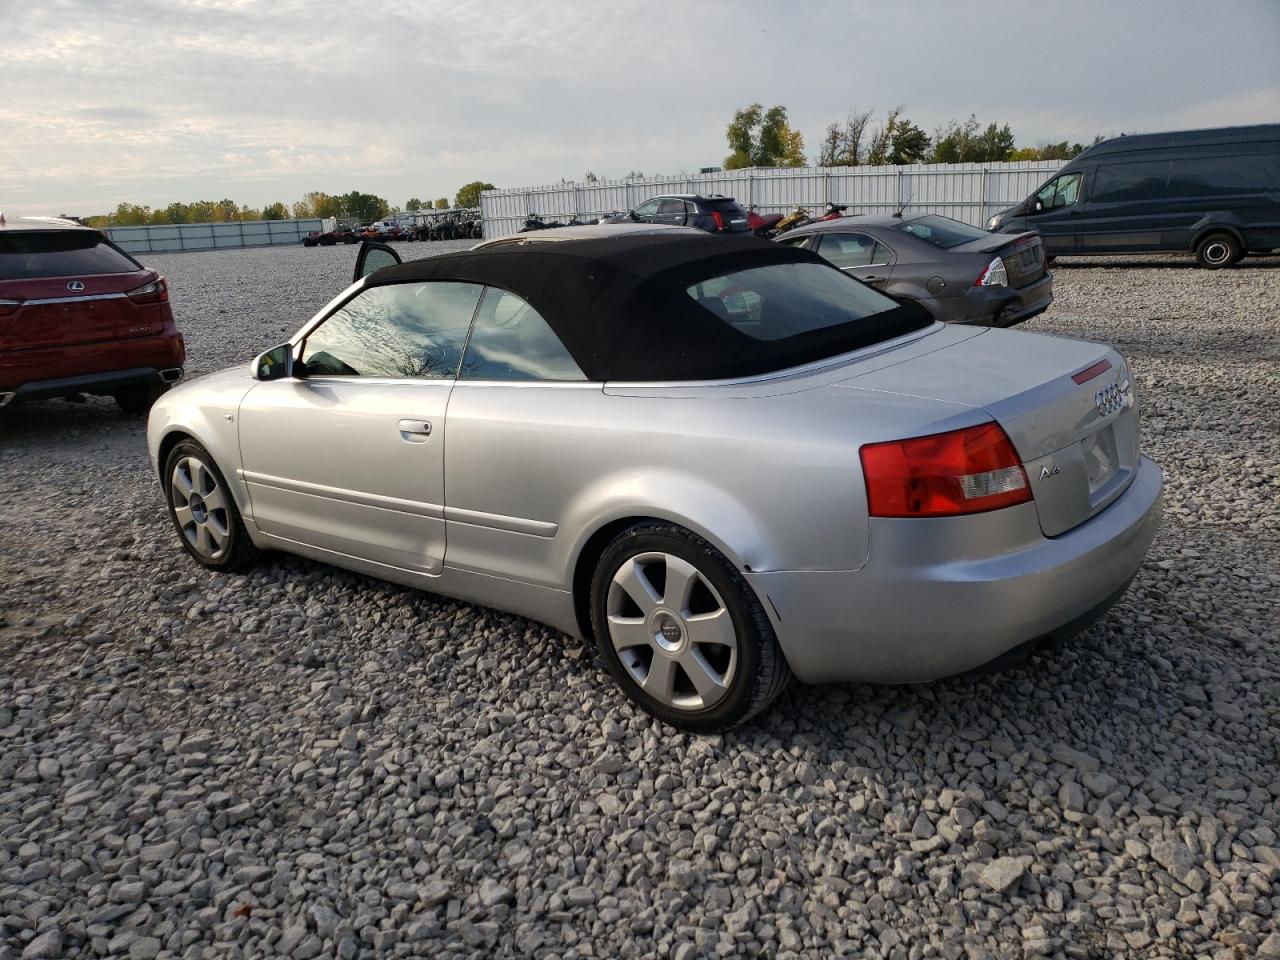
<point x="959" y="273"/>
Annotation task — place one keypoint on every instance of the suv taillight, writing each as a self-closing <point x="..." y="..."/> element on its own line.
<point x="715" y="215"/>
<point x="944" y="475"/>
<point x="157" y="291"/>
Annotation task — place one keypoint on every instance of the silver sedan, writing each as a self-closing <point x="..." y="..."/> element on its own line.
<point x="723" y="461"/>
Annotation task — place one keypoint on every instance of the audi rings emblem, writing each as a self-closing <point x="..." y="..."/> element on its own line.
<point x="1111" y="399"/>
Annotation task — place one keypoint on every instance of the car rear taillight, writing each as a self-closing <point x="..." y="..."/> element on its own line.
<point x="9" y="306"/>
<point x="157" y="291"/>
<point x="715" y="215"/>
<point x="944" y="475"/>
<point x="993" y="275"/>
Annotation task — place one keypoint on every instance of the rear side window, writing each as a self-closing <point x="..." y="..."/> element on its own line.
<point x="852" y="250"/>
<point x="669" y="207"/>
<point x="787" y="300"/>
<point x="511" y="341"/>
<point x="1224" y="176"/>
<point x="942" y="231"/>
<point x="64" y="253"/>
<point x="403" y="330"/>
<point x="1127" y="182"/>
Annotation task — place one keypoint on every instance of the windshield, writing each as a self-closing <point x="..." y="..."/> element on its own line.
<point x="942" y="231"/>
<point x="62" y="253"/>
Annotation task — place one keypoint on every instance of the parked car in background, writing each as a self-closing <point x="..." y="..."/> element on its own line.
<point x="714" y="213"/>
<point x="959" y="273"/>
<point x="329" y="238"/>
<point x="79" y="315"/>
<point x="622" y="412"/>
<point x="1213" y="192"/>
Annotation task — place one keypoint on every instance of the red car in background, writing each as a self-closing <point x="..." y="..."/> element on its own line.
<point x="79" y="315"/>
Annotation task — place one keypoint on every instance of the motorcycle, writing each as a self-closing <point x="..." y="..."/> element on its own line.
<point x="834" y="211"/>
<point x="535" y="222"/>
<point x="797" y="218"/>
<point x="763" y="225"/>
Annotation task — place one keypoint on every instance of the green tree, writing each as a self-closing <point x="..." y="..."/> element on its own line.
<point x="275" y="211"/>
<point x="469" y="195"/>
<point x="897" y="141"/>
<point x="442" y="203"/>
<point x="763" y="138"/>
<point x="413" y="203"/>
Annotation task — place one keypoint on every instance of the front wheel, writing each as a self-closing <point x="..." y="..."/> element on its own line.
<point x="682" y="632"/>
<point x="1218" y="250"/>
<point x="203" y="510"/>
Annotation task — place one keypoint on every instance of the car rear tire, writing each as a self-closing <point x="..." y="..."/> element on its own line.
<point x="137" y="401"/>
<point x="1218" y="250"/>
<point x="204" y="512"/>
<point x="683" y="633"/>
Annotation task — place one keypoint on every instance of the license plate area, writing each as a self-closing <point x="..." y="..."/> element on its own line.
<point x="1100" y="459"/>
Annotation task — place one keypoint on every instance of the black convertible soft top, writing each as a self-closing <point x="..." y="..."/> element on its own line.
<point x="619" y="304"/>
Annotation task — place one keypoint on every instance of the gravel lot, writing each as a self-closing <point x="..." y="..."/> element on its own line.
<point x="303" y="762"/>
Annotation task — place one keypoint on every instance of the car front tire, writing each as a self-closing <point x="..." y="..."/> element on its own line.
<point x="682" y="632"/>
<point x="204" y="512"/>
<point x="1218" y="250"/>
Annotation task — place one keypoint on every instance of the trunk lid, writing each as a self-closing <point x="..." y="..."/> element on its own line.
<point x="49" y="312"/>
<point x="1067" y="405"/>
<point x="1022" y="254"/>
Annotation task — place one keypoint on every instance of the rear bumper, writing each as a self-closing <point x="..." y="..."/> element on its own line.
<point x="96" y="383"/>
<point x="996" y="306"/>
<point x="101" y="367"/>
<point x="940" y="597"/>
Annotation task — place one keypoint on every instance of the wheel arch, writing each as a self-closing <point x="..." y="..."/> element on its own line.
<point x="594" y="544"/>
<point x="1203" y="230"/>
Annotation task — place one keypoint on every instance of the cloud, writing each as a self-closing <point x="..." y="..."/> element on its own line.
<point x="157" y="100"/>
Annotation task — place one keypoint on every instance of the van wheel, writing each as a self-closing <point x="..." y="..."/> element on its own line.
<point x="682" y="632"/>
<point x="1218" y="250"/>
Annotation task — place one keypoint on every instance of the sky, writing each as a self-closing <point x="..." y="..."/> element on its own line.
<point x="151" y="101"/>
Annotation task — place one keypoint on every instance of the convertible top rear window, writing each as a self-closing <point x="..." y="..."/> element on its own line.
<point x="787" y="300"/>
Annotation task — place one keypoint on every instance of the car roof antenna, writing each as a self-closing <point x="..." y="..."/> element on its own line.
<point x="905" y="203"/>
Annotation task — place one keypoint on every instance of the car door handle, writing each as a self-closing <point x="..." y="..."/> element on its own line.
<point x="415" y="431"/>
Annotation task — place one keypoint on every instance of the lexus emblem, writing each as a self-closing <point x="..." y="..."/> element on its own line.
<point x="75" y="286"/>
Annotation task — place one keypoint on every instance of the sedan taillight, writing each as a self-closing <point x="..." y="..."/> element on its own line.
<point x="944" y="475"/>
<point x="157" y="291"/>
<point x="993" y="275"/>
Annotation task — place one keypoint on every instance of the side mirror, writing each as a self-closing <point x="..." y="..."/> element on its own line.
<point x="1038" y="206"/>
<point x="373" y="257"/>
<point x="633" y="215"/>
<point x="275" y="364"/>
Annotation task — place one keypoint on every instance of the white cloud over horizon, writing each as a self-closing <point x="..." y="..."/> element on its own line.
<point x="149" y="101"/>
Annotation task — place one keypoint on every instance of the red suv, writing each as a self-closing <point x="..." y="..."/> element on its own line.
<point x="79" y="315"/>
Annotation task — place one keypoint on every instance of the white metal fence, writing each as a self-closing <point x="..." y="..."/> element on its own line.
<point x="211" y="236"/>
<point x="966" y="191"/>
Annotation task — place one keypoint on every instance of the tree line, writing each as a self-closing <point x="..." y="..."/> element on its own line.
<point x="364" y="207"/>
<point x="765" y="138"/>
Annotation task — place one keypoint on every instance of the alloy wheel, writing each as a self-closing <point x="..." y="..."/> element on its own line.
<point x="200" y="505"/>
<point x="672" y="631"/>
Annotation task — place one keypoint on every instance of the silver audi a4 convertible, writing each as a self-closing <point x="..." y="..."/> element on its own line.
<point x="724" y="461"/>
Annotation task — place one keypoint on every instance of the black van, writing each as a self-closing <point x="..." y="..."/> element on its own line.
<point x="1213" y="192"/>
